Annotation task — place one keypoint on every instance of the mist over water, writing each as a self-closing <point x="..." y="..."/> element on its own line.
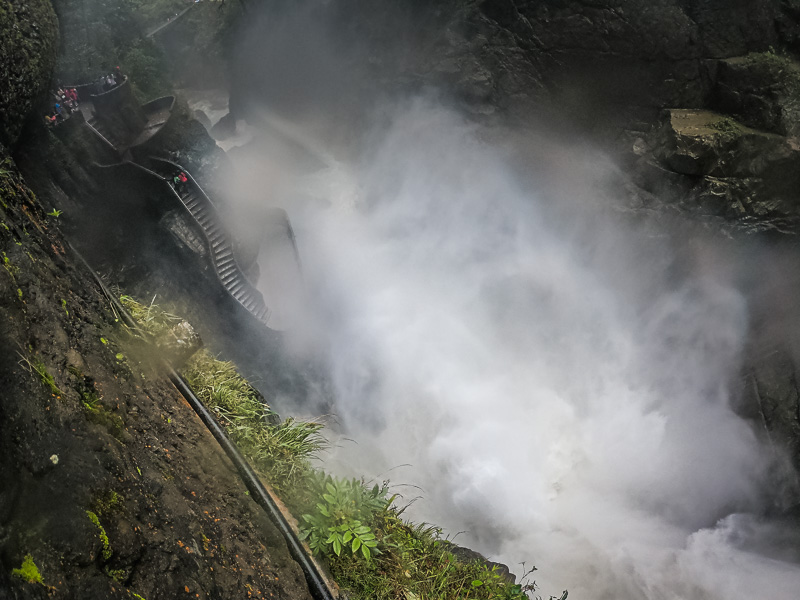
<point x="549" y="378"/>
<point x="558" y="385"/>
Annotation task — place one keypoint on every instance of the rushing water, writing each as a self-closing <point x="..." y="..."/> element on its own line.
<point x="553" y="382"/>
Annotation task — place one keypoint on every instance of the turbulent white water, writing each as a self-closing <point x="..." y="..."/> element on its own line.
<point x="562" y="398"/>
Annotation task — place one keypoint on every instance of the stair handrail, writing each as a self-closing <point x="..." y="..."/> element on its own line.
<point x="216" y="220"/>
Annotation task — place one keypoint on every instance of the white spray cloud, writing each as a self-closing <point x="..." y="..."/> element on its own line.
<point x="562" y="399"/>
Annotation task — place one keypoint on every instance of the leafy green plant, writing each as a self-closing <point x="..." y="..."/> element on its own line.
<point x="343" y="517"/>
<point x="28" y="571"/>
<point x="55" y="213"/>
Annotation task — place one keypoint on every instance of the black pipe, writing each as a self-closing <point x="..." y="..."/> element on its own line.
<point x="260" y="494"/>
<point x="316" y="584"/>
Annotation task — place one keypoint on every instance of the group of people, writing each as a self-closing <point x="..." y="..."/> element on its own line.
<point x="67" y="98"/>
<point x="109" y="81"/>
<point x="66" y="103"/>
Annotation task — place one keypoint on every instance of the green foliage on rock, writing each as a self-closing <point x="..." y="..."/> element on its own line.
<point x="28" y="44"/>
<point x="417" y="563"/>
<point x="28" y="571"/>
<point x="101" y="533"/>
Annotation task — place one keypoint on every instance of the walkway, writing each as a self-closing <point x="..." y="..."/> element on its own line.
<point x="199" y="205"/>
<point x="170" y="21"/>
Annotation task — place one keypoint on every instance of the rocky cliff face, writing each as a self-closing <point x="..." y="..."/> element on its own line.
<point x="27" y="54"/>
<point x="109" y="484"/>
<point x="110" y="487"/>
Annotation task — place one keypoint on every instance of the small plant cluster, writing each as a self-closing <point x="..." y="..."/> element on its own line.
<point x="28" y="571"/>
<point x="344" y="518"/>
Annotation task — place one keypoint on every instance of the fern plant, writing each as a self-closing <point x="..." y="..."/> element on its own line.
<point x="343" y="519"/>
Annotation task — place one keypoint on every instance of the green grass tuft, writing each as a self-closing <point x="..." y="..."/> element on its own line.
<point x="282" y="451"/>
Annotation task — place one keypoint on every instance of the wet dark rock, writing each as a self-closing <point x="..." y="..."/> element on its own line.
<point x="224" y="128"/>
<point x="202" y="118"/>
<point x="29" y="31"/>
<point x="761" y="90"/>
<point x="721" y="167"/>
<point x="180" y="343"/>
<point x="468" y="555"/>
<point x="772" y="395"/>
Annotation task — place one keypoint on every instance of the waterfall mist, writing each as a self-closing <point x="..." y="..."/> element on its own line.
<point x="557" y="380"/>
<point x="554" y="378"/>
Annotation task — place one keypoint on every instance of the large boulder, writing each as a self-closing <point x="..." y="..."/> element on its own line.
<point x="714" y="163"/>
<point x="762" y="90"/>
<point x="28" y="44"/>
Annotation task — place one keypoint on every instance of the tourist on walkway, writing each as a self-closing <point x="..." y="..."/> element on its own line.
<point x="180" y="180"/>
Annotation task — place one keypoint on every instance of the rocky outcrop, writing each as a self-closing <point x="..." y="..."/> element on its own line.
<point x="29" y="34"/>
<point x="762" y="90"/>
<point x="711" y="162"/>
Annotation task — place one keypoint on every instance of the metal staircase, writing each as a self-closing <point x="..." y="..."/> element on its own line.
<point x="220" y="244"/>
<point x="101" y="130"/>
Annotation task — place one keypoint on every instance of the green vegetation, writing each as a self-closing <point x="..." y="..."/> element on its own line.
<point x="280" y="450"/>
<point x="345" y="517"/>
<point x="150" y="317"/>
<point x="107" y="552"/>
<point x="28" y="571"/>
<point x="55" y="213"/>
<point x="96" y="412"/>
<point x="12" y="269"/>
<point x="99" y="35"/>
<point x="370" y="551"/>
<point x="417" y="563"/>
<point x="118" y="575"/>
<point x="107" y="503"/>
<point x="36" y="365"/>
<point x="726" y="125"/>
